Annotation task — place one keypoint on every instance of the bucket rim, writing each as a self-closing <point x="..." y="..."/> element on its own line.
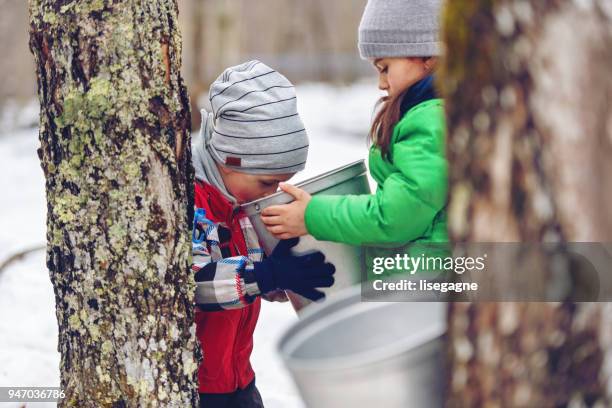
<point x="434" y="331"/>
<point x="250" y="208"/>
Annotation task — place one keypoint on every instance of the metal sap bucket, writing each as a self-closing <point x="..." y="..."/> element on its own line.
<point x="348" y="260"/>
<point x="348" y="353"/>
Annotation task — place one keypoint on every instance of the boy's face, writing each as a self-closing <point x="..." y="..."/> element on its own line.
<point x="248" y="187"/>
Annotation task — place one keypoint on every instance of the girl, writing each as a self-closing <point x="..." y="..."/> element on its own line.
<point x="407" y="157"/>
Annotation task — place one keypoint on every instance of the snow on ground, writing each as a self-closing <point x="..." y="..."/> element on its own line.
<point x="28" y="329"/>
<point x="337" y="120"/>
<point x="22" y="202"/>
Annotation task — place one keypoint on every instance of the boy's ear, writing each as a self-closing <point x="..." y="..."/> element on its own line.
<point x="223" y="169"/>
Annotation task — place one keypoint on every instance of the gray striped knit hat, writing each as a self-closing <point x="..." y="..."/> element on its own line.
<point x="254" y="126"/>
<point x="400" y="28"/>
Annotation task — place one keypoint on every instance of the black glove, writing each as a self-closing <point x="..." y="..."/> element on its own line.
<point x="300" y="274"/>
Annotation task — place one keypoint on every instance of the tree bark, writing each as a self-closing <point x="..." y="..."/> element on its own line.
<point x="528" y="93"/>
<point x="115" y="151"/>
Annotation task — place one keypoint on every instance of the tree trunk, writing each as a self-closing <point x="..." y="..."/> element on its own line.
<point x="114" y="133"/>
<point x="530" y="147"/>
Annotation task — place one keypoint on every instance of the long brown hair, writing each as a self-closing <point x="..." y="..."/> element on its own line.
<point x="389" y="111"/>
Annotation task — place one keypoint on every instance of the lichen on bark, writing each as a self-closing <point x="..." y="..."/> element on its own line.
<point x="114" y="132"/>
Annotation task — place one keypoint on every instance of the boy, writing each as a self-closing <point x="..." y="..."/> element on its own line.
<point x="252" y="140"/>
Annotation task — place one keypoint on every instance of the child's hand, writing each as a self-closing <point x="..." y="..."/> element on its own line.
<point x="287" y="221"/>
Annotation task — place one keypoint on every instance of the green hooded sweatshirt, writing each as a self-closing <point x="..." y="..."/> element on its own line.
<point x="408" y="210"/>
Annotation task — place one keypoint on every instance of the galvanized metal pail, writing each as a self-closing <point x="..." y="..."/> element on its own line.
<point x="348" y="353"/>
<point x="348" y="260"/>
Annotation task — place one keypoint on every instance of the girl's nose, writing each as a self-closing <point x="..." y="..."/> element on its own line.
<point x="382" y="84"/>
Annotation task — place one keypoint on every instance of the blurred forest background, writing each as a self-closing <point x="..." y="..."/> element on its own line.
<point x="311" y="40"/>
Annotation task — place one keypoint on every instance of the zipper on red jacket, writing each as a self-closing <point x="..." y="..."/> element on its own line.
<point x="242" y="310"/>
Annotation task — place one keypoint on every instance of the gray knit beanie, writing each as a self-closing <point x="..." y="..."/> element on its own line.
<point x="400" y="28"/>
<point x="254" y="126"/>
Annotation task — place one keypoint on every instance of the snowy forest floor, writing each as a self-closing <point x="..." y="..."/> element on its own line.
<point x="337" y="120"/>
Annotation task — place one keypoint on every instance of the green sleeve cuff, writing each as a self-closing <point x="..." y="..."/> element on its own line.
<point x="314" y="214"/>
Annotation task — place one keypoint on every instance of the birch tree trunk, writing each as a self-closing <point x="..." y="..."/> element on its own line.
<point x="528" y="85"/>
<point x="114" y="134"/>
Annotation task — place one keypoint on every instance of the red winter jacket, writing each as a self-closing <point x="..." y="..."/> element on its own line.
<point x="226" y="336"/>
